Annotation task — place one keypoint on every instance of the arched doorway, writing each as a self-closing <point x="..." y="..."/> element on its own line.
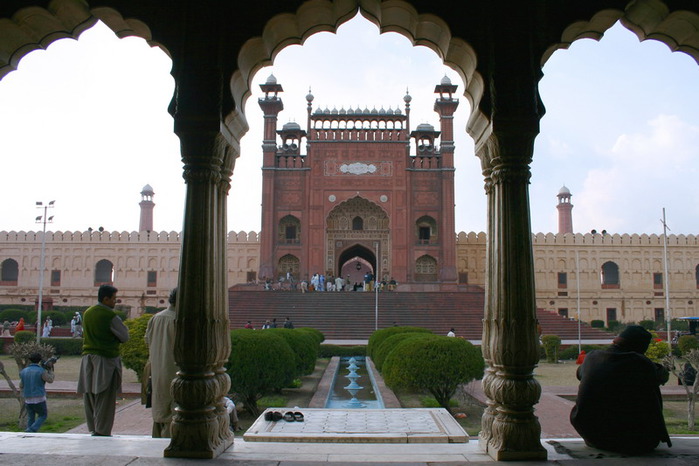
<point x="354" y="262"/>
<point x="358" y="235"/>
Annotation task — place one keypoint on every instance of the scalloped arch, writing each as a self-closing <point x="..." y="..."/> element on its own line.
<point x="648" y="19"/>
<point x="326" y="16"/>
<point x="35" y="28"/>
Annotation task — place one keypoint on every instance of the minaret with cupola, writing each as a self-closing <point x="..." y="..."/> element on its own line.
<point x="565" y="211"/>
<point x="271" y="104"/>
<point x="147" y="205"/>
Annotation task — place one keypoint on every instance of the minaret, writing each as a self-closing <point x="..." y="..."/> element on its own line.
<point x="271" y="104"/>
<point x="445" y="105"/>
<point x="147" y="205"/>
<point x="565" y="211"/>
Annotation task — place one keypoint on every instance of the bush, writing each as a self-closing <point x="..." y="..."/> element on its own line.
<point x="614" y="325"/>
<point x="57" y="318"/>
<point x="436" y="364"/>
<point x="305" y="347"/>
<point x="24" y="336"/>
<point x="13" y="315"/>
<point x="389" y="344"/>
<point x="571" y="352"/>
<point x="134" y="353"/>
<point x="551" y="344"/>
<point x="647" y="324"/>
<point x="315" y="332"/>
<point x="686" y="343"/>
<point x="259" y="363"/>
<point x="328" y="351"/>
<point x="597" y="324"/>
<point x="380" y="335"/>
<point x="21" y="352"/>
<point x="65" y="346"/>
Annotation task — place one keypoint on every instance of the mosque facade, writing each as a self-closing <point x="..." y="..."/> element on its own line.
<point x="360" y="199"/>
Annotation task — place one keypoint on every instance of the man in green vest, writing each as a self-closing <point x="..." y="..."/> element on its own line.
<point x="100" y="368"/>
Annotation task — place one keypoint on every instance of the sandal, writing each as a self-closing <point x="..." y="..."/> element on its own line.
<point x="289" y="417"/>
<point x="298" y="416"/>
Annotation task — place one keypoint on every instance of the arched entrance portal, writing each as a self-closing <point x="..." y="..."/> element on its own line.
<point x="355" y="262"/>
<point x="358" y="235"/>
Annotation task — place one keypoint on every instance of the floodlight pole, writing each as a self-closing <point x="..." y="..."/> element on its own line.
<point x="42" y="219"/>
<point x="376" y="286"/>
<point x="577" y="285"/>
<point x="668" y="314"/>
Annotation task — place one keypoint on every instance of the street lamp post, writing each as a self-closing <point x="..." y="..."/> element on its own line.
<point x="668" y="313"/>
<point x="376" y="286"/>
<point x="42" y="219"/>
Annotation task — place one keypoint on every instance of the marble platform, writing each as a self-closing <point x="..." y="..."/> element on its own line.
<point x="427" y="425"/>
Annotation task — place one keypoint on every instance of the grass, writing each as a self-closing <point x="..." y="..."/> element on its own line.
<point x="556" y="375"/>
<point x="66" y="369"/>
<point x="64" y="413"/>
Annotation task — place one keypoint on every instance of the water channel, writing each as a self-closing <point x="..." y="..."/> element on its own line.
<point x="353" y="386"/>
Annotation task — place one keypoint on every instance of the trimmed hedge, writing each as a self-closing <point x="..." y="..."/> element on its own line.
<point x="571" y="352"/>
<point x="259" y="363"/>
<point x="379" y="336"/>
<point x="389" y="344"/>
<point x="597" y="323"/>
<point x="65" y="346"/>
<point x="437" y="364"/>
<point x="315" y="332"/>
<point x="328" y="351"/>
<point x="305" y="346"/>
<point x="24" y="336"/>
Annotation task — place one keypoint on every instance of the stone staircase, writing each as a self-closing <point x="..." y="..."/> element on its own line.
<point x="352" y="315"/>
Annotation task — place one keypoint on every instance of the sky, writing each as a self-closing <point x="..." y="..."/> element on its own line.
<point x="85" y="123"/>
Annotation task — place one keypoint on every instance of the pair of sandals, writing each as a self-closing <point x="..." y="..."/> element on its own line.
<point x="289" y="416"/>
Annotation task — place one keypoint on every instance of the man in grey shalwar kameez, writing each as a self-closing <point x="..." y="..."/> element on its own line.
<point x="160" y="338"/>
<point x="100" y="369"/>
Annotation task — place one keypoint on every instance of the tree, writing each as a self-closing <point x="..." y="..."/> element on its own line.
<point x="552" y="344"/>
<point x="259" y="362"/>
<point x="379" y="336"/>
<point x="684" y="368"/>
<point x="134" y="353"/>
<point x="21" y="352"/>
<point x="438" y="365"/>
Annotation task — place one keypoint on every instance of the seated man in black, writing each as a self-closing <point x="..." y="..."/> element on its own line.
<point x="619" y="407"/>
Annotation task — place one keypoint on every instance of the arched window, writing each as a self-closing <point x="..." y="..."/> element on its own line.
<point x="357" y="223"/>
<point x="289" y="230"/>
<point x="104" y="273"/>
<point x="288" y="264"/>
<point x="426" y="229"/>
<point x="696" y="275"/>
<point x="426" y="269"/>
<point x="610" y="275"/>
<point x="9" y="272"/>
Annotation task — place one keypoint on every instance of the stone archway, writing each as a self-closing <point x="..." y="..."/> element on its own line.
<point x="369" y="238"/>
<point x="354" y="262"/>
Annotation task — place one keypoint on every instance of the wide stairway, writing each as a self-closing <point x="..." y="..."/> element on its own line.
<point x="352" y="315"/>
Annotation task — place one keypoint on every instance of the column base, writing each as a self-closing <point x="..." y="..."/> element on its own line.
<point x="200" y="454"/>
<point x="501" y="454"/>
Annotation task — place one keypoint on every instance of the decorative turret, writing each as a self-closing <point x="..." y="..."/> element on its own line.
<point x="291" y="135"/>
<point x="147" y="205"/>
<point x="565" y="211"/>
<point x="445" y="106"/>
<point x="271" y="104"/>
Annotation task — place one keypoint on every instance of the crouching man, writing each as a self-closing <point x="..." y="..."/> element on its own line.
<point x="619" y="407"/>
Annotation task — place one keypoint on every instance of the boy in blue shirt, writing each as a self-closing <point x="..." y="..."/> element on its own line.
<point x="33" y="379"/>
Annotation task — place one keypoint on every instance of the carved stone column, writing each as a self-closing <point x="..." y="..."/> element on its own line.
<point x="511" y="431"/>
<point x="200" y="424"/>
